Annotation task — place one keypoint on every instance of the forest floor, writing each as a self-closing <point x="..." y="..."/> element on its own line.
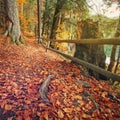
<point x="72" y="95"/>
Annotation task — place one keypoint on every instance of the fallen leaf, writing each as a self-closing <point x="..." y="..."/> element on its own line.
<point x="80" y="89"/>
<point x="41" y="105"/>
<point x="19" y="118"/>
<point x="58" y="102"/>
<point x="104" y="94"/>
<point x="77" y="97"/>
<point x="86" y="116"/>
<point x="8" y="107"/>
<point x="68" y="110"/>
<point x="27" y="101"/>
<point x="14" y="84"/>
<point x="26" y="115"/>
<point x="10" y="118"/>
<point x="45" y="115"/>
<point x="75" y="118"/>
<point x="39" y="113"/>
<point x="60" y="114"/>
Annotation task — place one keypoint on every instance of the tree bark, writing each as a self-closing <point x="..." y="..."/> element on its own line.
<point x="39" y="21"/>
<point x="44" y="88"/>
<point x="56" y="18"/>
<point x="90" y="53"/>
<point x="118" y="61"/>
<point x="112" y="58"/>
<point x="114" y="48"/>
<point x="2" y="16"/>
<point x="12" y="21"/>
<point x="44" y="17"/>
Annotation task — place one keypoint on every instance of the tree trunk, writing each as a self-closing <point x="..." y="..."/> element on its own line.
<point x="91" y="53"/>
<point x="118" y="61"/>
<point x="44" y="17"/>
<point x="114" y="48"/>
<point x="2" y="16"/>
<point x="56" y="18"/>
<point x="112" y="58"/>
<point x="12" y="21"/>
<point x="39" y="21"/>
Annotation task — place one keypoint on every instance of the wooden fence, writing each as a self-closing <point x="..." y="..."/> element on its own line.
<point x="112" y="41"/>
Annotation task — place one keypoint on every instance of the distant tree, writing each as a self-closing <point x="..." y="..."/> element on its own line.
<point x="56" y="18"/>
<point x="29" y="20"/>
<point x="45" y="19"/>
<point x="39" y="21"/>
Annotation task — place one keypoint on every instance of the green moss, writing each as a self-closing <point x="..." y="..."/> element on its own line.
<point x="116" y="85"/>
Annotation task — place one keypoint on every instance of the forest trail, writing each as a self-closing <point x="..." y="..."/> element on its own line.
<point x="72" y="95"/>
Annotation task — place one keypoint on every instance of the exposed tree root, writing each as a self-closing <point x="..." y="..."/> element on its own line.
<point x="87" y="94"/>
<point x="44" y="88"/>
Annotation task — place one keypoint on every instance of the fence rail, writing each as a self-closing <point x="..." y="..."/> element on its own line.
<point x="95" y="68"/>
<point x="111" y="41"/>
<point x="104" y="72"/>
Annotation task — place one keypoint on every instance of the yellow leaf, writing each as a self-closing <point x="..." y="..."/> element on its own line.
<point x="68" y="110"/>
<point x="10" y="118"/>
<point x="28" y="102"/>
<point x="45" y="115"/>
<point x="104" y="94"/>
<point x="77" y="97"/>
<point x="80" y="90"/>
<point x="41" y="105"/>
<point x="8" y="107"/>
<point x="78" y="109"/>
<point x="58" y="102"/>
<point x="86" y="116"/>
<point x="75" y="118"/>
<point x="60" y="114"/>
<point x="39" y="114"/>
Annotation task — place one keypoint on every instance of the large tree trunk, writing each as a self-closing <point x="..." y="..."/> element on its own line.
<point x="12" y="21"/>
<point x="114" y="48"/>
<point x="1" y="10"/>
<point x="91" y="53"/>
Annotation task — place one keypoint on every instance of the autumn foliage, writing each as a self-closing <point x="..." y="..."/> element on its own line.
<point x="28" y="20"/>
<point x="72" y="95"/>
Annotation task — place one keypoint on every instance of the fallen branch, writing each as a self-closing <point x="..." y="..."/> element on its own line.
<point x="44" y="88"/>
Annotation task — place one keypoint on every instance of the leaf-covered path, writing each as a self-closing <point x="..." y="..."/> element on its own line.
<point x="72" y="96"/>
